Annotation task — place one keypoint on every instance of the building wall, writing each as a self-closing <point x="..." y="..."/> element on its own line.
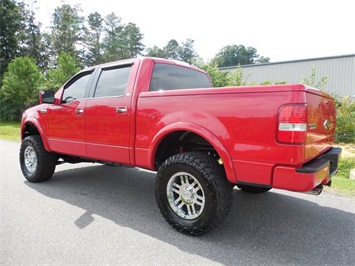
<point x="340" y="71"/>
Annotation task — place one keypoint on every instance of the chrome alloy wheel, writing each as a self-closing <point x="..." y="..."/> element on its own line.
<point x="30" y="158"/>
<point x="185" y="195"/>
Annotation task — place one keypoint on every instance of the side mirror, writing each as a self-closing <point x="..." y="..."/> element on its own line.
<point x="46" y="96"/>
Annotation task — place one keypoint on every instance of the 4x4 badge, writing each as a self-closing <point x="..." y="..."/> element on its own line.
<point x="326" y="124"/>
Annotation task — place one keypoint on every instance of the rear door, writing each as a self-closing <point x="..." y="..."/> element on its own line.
<point x="108" y="114"/>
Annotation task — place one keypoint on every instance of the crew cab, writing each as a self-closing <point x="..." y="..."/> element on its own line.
<point x="165" y="116"/>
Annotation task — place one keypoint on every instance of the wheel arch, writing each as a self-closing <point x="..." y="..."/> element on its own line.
<point x="32" y="127"/>
<point x="185" y="128"/>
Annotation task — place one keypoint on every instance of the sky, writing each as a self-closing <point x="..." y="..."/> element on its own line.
<point x="282" y="30"/>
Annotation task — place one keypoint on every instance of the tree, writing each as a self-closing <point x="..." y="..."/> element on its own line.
<point x="155" y="51"/>
<point x="133" y="39"/>
<point x="11" y="22"/>
<point x="187" y="51"/>
<point x="173" y="50"/>
<point x="93" y="38"/>
<point x="32" y="41"/>
<point x="66" y="68"/>
<point x="67" y="31"/>
<point x="262" y="60"/>
<point x="20" y="88"/>
<point x="233" y="55"/>
<point x="114" y="45"/>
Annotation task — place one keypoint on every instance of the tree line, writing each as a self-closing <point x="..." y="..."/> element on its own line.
<point x="32" y="58"/>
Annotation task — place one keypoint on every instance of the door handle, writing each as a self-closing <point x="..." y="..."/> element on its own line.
<point x="79" y="111"/>
<point x="121" y="109"/>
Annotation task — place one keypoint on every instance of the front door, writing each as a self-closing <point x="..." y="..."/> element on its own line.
<point x="66" y="121"/>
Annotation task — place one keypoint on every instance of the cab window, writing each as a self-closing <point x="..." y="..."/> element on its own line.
<point x="112" y="81"/>
<point x="172" y="77"/>
<point x="75" y="89"/>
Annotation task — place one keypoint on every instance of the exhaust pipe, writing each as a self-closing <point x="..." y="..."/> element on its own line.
<point x="316" y="191"/>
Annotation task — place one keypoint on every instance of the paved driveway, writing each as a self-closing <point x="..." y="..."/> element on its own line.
<point x="90" y="214"/>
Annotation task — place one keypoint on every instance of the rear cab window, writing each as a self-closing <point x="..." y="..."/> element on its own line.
<point x="112" y="81"/>
<point x="175" y="77"/>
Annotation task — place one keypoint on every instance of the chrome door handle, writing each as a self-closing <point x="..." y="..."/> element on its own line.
<point x="79" y="111"/>
<point x="121" y="109"/>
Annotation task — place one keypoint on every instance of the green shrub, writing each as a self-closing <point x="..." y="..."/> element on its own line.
<point x="21" y="84"/>
<point x="312" y="81"/>
<point x="345" y="165"/>
<point x="218" y="78"/>
<point x="236" y="77"/>
<point x="345" y="129"/>
<point x="268" y="82"/>
<point x="66" y="68"/>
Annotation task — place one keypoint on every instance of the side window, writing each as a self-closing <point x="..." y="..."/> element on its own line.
<point x="75" y="89"/>
<point x="112" y="82"/>
<point x="172" y="77"/>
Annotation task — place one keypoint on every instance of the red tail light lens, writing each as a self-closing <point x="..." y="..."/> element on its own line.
<point x="292" y="124"/>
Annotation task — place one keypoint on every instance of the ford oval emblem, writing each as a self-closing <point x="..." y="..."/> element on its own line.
<point x="326" y="124"/>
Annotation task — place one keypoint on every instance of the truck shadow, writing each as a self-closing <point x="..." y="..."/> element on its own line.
<point x="272" y="228"/>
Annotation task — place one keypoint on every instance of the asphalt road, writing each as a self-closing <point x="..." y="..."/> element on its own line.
<point x="90" y="214"/>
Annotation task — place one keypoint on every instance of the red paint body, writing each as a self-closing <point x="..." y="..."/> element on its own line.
<point x="241" y="123"/>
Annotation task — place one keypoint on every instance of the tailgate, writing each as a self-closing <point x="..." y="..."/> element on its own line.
<point x="321" y="123"/>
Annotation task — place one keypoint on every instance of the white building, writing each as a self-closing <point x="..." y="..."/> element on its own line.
<point x="340" y="71"/>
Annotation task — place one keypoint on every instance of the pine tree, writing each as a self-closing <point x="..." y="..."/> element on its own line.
<point x="133" y="40"/>
<point x="20" y="88"/>
<point x="11" y="23"/>
<point x="93" y="38"/>
<point x="67" y="31"/>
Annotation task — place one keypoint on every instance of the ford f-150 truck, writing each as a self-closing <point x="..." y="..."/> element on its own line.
<point x="165" y="116"/>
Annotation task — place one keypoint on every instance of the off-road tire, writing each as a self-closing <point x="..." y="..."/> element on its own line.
<point x="36" y="163"/>
<point x="208" y="178"/>
<point x="252" y="189"/>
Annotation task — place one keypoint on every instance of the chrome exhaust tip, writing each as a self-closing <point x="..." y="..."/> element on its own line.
<point x="316" y="191"/>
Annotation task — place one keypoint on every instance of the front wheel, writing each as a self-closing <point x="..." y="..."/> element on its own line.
<point x="36" y="163"/>
<point x="192" y="193"/>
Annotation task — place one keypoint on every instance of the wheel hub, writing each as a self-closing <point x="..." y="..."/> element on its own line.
<point x="185" y="195"/>
<point x="30" y="158"/>
<point x="188" y="194"/>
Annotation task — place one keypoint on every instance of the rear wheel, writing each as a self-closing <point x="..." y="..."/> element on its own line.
<point x="252" y="189"/>
<point x="36" y="163"/>
<point x="192" y="193"/>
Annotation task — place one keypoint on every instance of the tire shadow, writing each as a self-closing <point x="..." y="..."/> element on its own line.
<point x="270" y="228"/>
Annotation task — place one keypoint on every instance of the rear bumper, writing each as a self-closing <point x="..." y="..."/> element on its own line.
<point x="316" y="172"/>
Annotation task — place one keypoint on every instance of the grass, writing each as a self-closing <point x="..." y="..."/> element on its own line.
<point x="341" y="184"/>
<point x="10" y="131"/>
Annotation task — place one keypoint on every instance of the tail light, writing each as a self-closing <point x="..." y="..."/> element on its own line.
<point x="292" y="124"/>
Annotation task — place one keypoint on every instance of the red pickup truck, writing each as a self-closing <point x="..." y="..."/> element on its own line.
<point x="165" y="116"/>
